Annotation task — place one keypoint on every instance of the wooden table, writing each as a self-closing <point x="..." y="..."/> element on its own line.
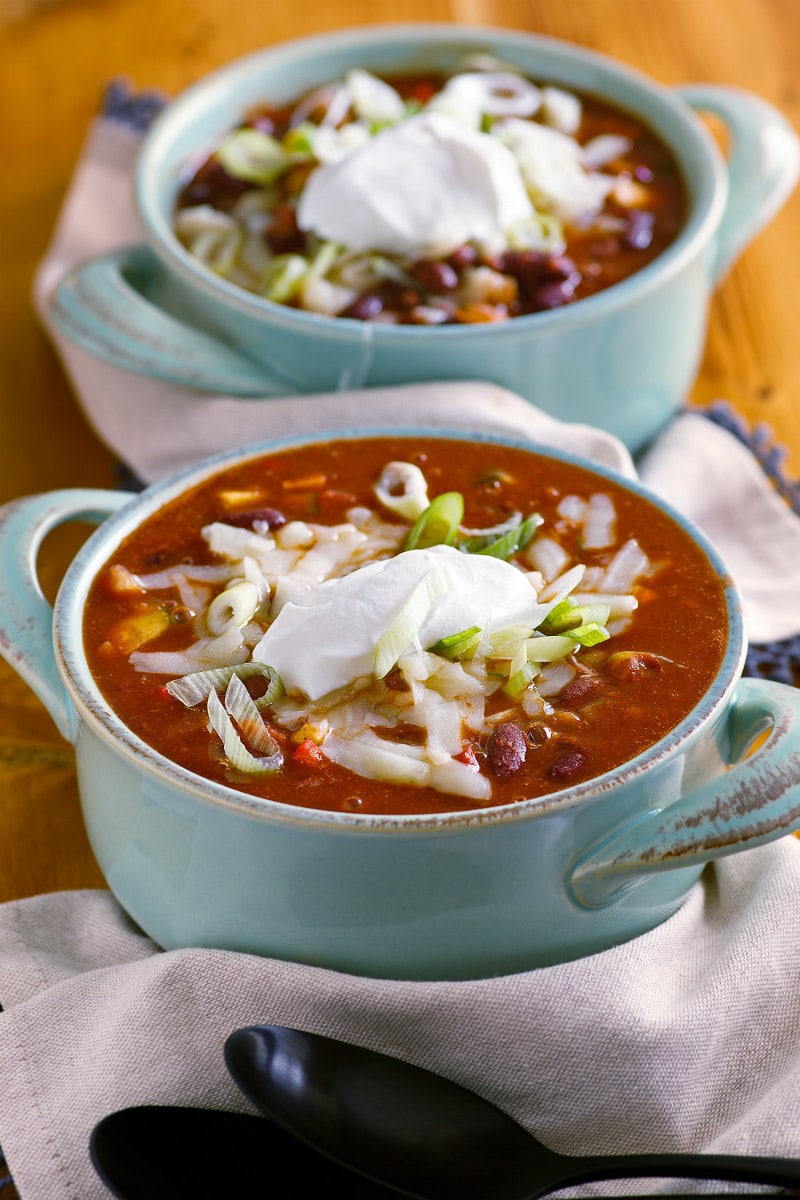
<point x="57" y="56"/>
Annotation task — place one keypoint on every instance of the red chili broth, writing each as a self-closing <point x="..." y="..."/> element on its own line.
<point x="681" y="615"/>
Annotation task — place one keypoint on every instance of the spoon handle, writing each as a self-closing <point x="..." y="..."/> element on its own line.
<point x="778" y="1172"/>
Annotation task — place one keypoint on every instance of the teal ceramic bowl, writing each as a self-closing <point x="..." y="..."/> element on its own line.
<point x="447" y="896"/>
<point x="622" y="360"/>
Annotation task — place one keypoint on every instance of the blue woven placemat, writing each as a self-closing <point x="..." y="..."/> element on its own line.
<point x="778" y="660"/>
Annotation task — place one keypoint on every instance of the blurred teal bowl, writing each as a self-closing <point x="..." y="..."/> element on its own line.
<point x="622" y="360"/>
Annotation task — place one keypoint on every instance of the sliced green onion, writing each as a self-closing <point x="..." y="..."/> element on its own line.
<point x="410" y="619"/>
<point x="500" y="93"/>
<point x="233" y="606"/>
<point x="195" y="688"/>
<point x="242" y="708"/>
<point x="561" y="617"/>
<point x="413" y="106"/>
<point x="589" y="634"/>
<point x="283" y="276"/>
<point x="506" y="639"/>
<point x="516" y="539"/>
<point x="382" y="267"/>
<point x="323" y="260"/>
<point x="438" y="524"/>
<point x="549" y="648"/>
<point x="216" y="249"/>
<point x="497" y="667"/>
<point x="568" y="615"/>
<point x="519" y="680"/>
<point x="473" y="540"/>
<point x="237" y="754"/>
<point x="541" y="231"/>
<point x="253" y="155"/>
<point x="458" y="645"/>
<point x="299" y="141"/>
<point x="403" y="489"/>
<point x="373" y="99"/>
<point x="519" y="659"/>
<point x="594" y="614"/>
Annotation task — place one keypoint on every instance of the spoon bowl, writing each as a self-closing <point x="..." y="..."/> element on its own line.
<point x="172" y="1152"/>
<point x="428" y="1137"/>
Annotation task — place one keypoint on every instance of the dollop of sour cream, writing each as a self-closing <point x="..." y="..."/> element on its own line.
<point x="327" y="637"/>
<point x="418" y="189"/>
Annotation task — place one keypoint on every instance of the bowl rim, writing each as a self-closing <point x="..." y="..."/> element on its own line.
<point x="92" y="706"/>
<point x="707" y="193"/>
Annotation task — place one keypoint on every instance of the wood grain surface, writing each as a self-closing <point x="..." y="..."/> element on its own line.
<point x="57" y="56"/>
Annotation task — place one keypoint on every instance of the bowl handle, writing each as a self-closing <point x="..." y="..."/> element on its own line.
<point x="756" y="801"/>
<point x="763" y="163"/>
<point x="26" y="618"/>
<point x="99" y="307"/>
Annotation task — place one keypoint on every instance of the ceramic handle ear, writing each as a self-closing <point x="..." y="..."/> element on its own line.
<point x="26" y="618"/>
<point x="97" y="307"/>
<point x="763" y="163"/>
<point x="755" y="802"/>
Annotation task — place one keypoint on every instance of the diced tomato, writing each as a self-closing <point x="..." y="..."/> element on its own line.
<point x="467" y="756"/>
<point x="308" y="753"/>
<point x="332" y="500"/>
<point x="422" y="91"/>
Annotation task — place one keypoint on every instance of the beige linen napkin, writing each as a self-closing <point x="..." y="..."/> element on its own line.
<point x="157" y="428"/>
<point x="687" y="1038"/>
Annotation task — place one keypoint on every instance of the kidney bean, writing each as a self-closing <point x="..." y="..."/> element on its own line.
<point x="464" y="256"/>
<point x="263" y="122"/>
<point x="566" y="765"/>
<point x="366" y="308"/>
<point x="564" y="268"/>
<point x="392" y="299"/>
<point x="631" y="664"/>
<point x="434" y="276"/>
<point x="400" y="297"/>
<point x="579" y="690"/>
<point x="283" y="234"/>
<point x="534" y="270"/>
<point x="213" y="185"/>
<point x="506" y="748"/>
<point x="639" y="233"/>
<point x="269" y="518"/>
<point x="553" y="295"/>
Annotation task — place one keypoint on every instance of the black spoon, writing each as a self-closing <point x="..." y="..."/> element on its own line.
<point x="418" y="1132"/>
<point x="169" y="1153"/>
